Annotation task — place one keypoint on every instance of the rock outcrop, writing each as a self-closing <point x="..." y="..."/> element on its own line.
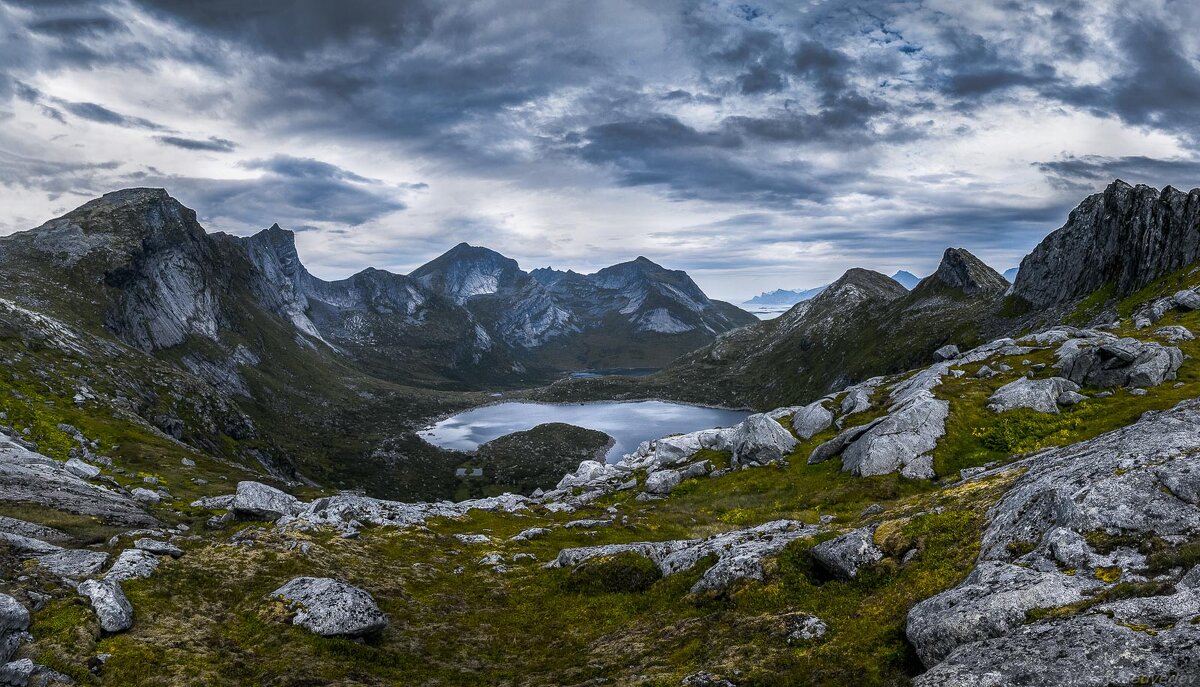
<point x="330" y="608"/>
<point x="739" y="553"/>
<point x="1041" y="395"/>
<point x="1040" y="552"/>
<point x="29" y="477"/>
<point x="112" y="608"/>
<point x="1126" y="236"/>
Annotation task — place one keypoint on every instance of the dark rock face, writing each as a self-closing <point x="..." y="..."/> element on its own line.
<point x="1126" y="236"/>
<point x="965" y="272"/>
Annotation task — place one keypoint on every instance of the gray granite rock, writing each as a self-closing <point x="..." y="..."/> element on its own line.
<point x="811" y="420"/>
<point x="844" y="555"/>
<point x="329" y="607"/>
<point x="109" y="602"/>
<point x="73" y="564"/>
<point x="132" y="564"/>
<point x="663" y="481"/>
<point x="759" y="440"/>
<point x="254" y="500"/>
<point x="1037" y="394"/>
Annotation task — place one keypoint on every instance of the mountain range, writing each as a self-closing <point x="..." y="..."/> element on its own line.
<point x="968" y="481"/>
<point x="137" y="263"/>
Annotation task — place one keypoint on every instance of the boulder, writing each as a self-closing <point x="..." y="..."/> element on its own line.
<point x="82" y="469"/>
<point x="14" y="625"/>
<point x="145" y="497"/>
<point x="257" y="501"/>
<point x="73" y="564"/>
<point x="531" y="533"/>
<point x="1187" y="300"/>
<point x="1038" y="394"/>
<point x="844" y="555"/>
<point x="1175" y="333"/>
<point x="329" y="607"/>
<point x="905" y="436"/>
<point x="663" y="481"/>
<point x="758" y="440"/>
<point x="110" y="604"/>
<point x="1070" y="398"/>
<point x="132" y="564"/>
<point x="158" y="548"/>
<point x="1118" y="362"/>
<point x="947" y="352"/>
<point x="811" y="420"/>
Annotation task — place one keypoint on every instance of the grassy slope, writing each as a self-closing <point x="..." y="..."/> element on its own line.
<point x="205" y="619"/>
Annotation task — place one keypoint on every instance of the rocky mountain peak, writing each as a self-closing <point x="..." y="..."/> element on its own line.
<point x="858" y="285"/>
<point x="1126" y="237"/>
<point x="963" y="271"/>
<point x="465" y="271"/>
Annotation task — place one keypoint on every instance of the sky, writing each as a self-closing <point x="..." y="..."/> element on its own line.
<point x="755" y="145"/>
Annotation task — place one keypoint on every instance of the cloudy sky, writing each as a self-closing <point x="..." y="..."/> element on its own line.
<point x="756" y="145"/>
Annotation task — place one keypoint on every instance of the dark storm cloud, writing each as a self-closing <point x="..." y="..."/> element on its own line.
<point x="94" y="112"/>
<point x="212" y="144"/>
<point x="291" y="191"/>
<point x="784" y="108"/>
<point x="1087" y="171"/>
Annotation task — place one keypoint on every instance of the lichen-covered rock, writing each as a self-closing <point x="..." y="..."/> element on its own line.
<point x="1139" y="481"/>
<point x="1108" y="362"/>
<point x="109" y="602"/>
<point x="844" y="555"/>
<point x="132" y="564"/>
<point x="663" y="481"/>
<point x="811" y="420"/>
<point x="1037" y="394"/>
<point x="73" y="564"/>
<point x="758" y="440"/>
<point x="259" y="501"/>
<point x="739" y="553"/>
<point x="329" y="607"/>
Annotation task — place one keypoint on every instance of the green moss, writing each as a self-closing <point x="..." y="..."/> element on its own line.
<point x="622" y="573"/>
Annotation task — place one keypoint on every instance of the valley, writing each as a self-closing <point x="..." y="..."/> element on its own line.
<point x="216" y="468"/>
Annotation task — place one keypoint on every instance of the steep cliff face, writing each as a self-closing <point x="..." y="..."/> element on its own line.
<point x="1125" y="237"/>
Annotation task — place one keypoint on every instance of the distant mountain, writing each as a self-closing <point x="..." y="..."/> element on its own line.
<point x="141" y="266"/>
<point x="906" y="279"/>
<point x="785" y="296"/>
<point x="1010" y="274"/>
<point x="862" y="325"/>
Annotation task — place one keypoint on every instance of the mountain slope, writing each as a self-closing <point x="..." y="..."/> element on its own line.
<point x="862" y="325"/>
<point x="1123" y="239"/>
